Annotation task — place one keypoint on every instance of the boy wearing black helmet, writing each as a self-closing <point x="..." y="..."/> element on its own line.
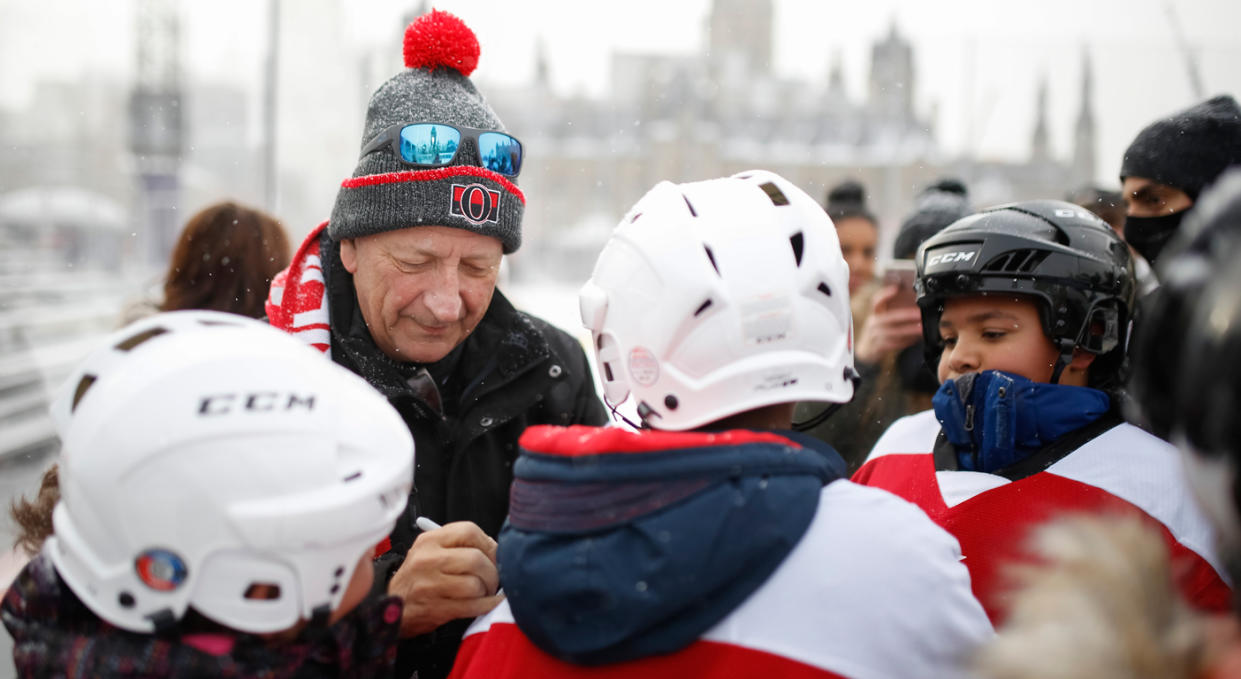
<point x="1026" y="309"/>
<point x="1186" y="380"/>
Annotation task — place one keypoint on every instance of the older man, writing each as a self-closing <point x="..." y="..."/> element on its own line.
<point x="399" y="286"/>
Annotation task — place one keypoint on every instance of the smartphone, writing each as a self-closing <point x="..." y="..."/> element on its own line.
<point x="900" y="272"/>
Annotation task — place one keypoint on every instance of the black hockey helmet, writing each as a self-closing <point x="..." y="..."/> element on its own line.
<point x="1072" y="263"/>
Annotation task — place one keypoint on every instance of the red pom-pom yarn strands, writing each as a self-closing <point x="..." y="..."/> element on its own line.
<point x="439" y="39"/>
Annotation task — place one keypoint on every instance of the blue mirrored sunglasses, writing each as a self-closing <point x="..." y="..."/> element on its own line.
<point x="436" y="145"/>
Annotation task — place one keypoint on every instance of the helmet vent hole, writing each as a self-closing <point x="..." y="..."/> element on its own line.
<point x="353" y="477"/>
<point x="711" y="256"/>
<point x="703" y="307"/>
<point x="125" y="599"/>
<point x="774" y="193"/>
<point x="671" y="402"/>
<point x="824" y="289"/>
<point x="692" y="211"/>
<point x="263" y="591"/>
<point x="607" y="372"/>
<point x="1017" y="261"/>
<point x="83" y="385"/>
<point x="798" y="241"/>
<point x="141" y="337"/>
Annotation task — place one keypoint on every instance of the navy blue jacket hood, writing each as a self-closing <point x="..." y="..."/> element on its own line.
<point x="621" y="545"/>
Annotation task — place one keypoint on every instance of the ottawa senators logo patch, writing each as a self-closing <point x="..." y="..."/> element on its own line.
<point x="475" y="202"/>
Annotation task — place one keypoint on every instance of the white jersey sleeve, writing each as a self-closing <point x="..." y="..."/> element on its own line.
<point x="874" y="589"/>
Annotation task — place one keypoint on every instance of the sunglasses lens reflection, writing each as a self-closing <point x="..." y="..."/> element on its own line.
<point x="499" y="153"/>
<point x="429" y="143"/>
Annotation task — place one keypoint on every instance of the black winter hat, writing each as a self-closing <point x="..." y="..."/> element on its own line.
<point x="384" y="194"/>
<point x="1188" y="149"/>
<point x="848" y="199"/>
<point x="937" y="206"/>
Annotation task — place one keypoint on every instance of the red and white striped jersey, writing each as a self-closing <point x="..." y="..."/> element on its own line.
<point x="873" y="589"/>
<point x="1123" y="470"/>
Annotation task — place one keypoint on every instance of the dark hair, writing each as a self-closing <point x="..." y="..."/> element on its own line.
<point x="847" y="200"/>
<point x="34" y="519"/>
<point x="225" y="260"/>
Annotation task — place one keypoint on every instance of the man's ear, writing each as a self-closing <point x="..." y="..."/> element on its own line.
<point x="349" y="255"/>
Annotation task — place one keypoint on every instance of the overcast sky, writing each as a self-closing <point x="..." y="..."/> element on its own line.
<point x="977" y="61"/>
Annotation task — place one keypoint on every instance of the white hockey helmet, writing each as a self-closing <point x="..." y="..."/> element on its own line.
<point x="717" y="297"/>
<point x="204" y="453"/>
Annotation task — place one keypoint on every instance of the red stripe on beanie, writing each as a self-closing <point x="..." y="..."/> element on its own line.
<point x="433" y="175"/>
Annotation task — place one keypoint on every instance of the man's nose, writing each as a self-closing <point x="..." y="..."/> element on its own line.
<point x="444" y="298"/>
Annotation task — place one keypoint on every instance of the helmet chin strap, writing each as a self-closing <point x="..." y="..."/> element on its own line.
<point x="853" y="376"/>
<point x="616" y="414"/>
<point x="1063" y="360"/>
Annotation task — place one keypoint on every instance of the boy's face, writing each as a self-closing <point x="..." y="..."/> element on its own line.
<point x="995" y="333"/>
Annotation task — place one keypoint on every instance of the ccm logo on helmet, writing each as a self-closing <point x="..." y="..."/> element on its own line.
<point x="255" y="402"/>
<point x="1080" y="214"/>
<point x="950" y="257"/>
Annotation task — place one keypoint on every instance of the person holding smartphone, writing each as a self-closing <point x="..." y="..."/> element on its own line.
<point x="888" y="344"/>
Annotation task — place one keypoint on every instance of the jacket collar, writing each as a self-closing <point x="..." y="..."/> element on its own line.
<point x="621" y="545"/>
<point x="996" y="419"/>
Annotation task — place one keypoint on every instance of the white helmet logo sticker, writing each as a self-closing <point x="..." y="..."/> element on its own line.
<point x="160" y="569"/>
<point x="643" y="366"/>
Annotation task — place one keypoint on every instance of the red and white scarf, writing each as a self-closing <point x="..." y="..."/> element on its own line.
<point x="297" y="302"/>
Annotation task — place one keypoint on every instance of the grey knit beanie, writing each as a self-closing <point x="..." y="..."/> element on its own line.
<point x="1188" y="149"/>
<point x="385" y="194"/>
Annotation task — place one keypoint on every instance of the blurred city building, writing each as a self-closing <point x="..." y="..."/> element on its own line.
<point x="166" y="143"/>
<point x="726" y="110"/>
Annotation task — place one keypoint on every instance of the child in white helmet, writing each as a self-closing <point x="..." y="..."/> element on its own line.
<point x="222" y="490"/>
<point x="716" y="542"/>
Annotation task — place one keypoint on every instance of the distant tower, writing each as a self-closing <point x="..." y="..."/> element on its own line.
<point x="1084" y="132"/>
<point x="156" y="134"/>
<point x="741" y="30"/>
<point x="542" y="69"/>
<point x="892" y="78"/>
<point x="836" y="77"/>
<point x="1040" y="150"/>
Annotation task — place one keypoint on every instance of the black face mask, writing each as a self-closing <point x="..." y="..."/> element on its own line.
<point x="1148" y="235"/>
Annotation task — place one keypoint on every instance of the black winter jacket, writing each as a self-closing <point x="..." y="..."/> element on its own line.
<point x="513" y="371"/>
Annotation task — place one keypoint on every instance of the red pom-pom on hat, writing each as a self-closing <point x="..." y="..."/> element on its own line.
<point x="438" y="39"/>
